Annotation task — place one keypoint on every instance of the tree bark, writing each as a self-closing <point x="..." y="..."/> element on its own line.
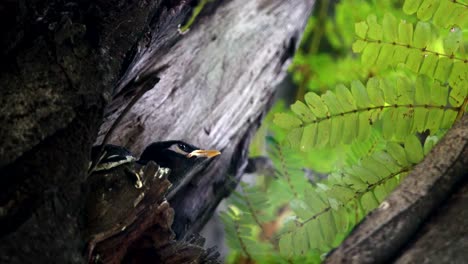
<point x="219" y="82"/>
<point x="444" y="238"/>
<point x="62" y="60"/>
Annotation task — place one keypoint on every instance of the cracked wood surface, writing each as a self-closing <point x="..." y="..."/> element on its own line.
<point x="217" y="87"/>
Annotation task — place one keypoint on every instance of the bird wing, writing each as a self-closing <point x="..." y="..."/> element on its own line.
<point x="111" y="156"/>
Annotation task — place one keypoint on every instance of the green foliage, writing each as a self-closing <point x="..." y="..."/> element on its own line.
<point x="397" y="107"/>
<point x="243" y="220"/>
<point x="418" y="46"/>
<point x="368" y="119"/>
<point x="444" y="13"/>
<point x="327" y="213"/>
<point x="317" y="69"/>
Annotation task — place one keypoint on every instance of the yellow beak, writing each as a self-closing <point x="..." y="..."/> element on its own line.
<point x="203" y="153"/>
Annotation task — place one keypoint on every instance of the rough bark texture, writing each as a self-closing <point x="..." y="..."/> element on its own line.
<point x="218" y="85"/>
<point x="444" y="238"/>
<point x="60" y="63"/>
<point x="386" y="230"/>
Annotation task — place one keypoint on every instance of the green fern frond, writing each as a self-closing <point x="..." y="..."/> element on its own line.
<point x="363" y="148"/>
<point x="401" y="107"/>
<point x="326" y="215"/>
<point x="393" y="43"/>
<point x="444" y="13"/>
<point x="289" y="165"/>
<point x="234" y="233"/>
<point x="251" y="201"/>
<point x="241" y="236"/>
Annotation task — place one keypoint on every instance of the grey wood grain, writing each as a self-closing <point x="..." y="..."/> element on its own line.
<point x="219" y="83"/>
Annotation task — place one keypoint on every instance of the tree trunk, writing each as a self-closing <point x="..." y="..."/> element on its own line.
<point x="219" y="83"/>
<point x="61" y="61"/>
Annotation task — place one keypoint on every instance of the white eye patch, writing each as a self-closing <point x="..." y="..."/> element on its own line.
<point x="177" y="149"/>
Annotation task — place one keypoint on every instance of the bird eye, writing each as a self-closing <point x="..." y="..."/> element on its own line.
<point x="183" y="147"/>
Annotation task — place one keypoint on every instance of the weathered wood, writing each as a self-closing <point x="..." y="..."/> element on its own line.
<point x="443" y="239"/>
<point x="382" y="234"/>
<point x="218" y="85"/>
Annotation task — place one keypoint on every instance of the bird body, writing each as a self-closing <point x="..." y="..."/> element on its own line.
<point x="120" y="187"/>
<point x="112" y="156"/>
<point x="175" y="155"/>
<point x="178" y="156"/>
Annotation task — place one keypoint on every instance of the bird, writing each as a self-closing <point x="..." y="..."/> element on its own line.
<point x="115" y="182"/>
<point x="117" y="185"/>
<point x="176" y="155"/>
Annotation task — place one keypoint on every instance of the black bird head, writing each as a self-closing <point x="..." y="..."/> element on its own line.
<point x="176" y="155"/>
